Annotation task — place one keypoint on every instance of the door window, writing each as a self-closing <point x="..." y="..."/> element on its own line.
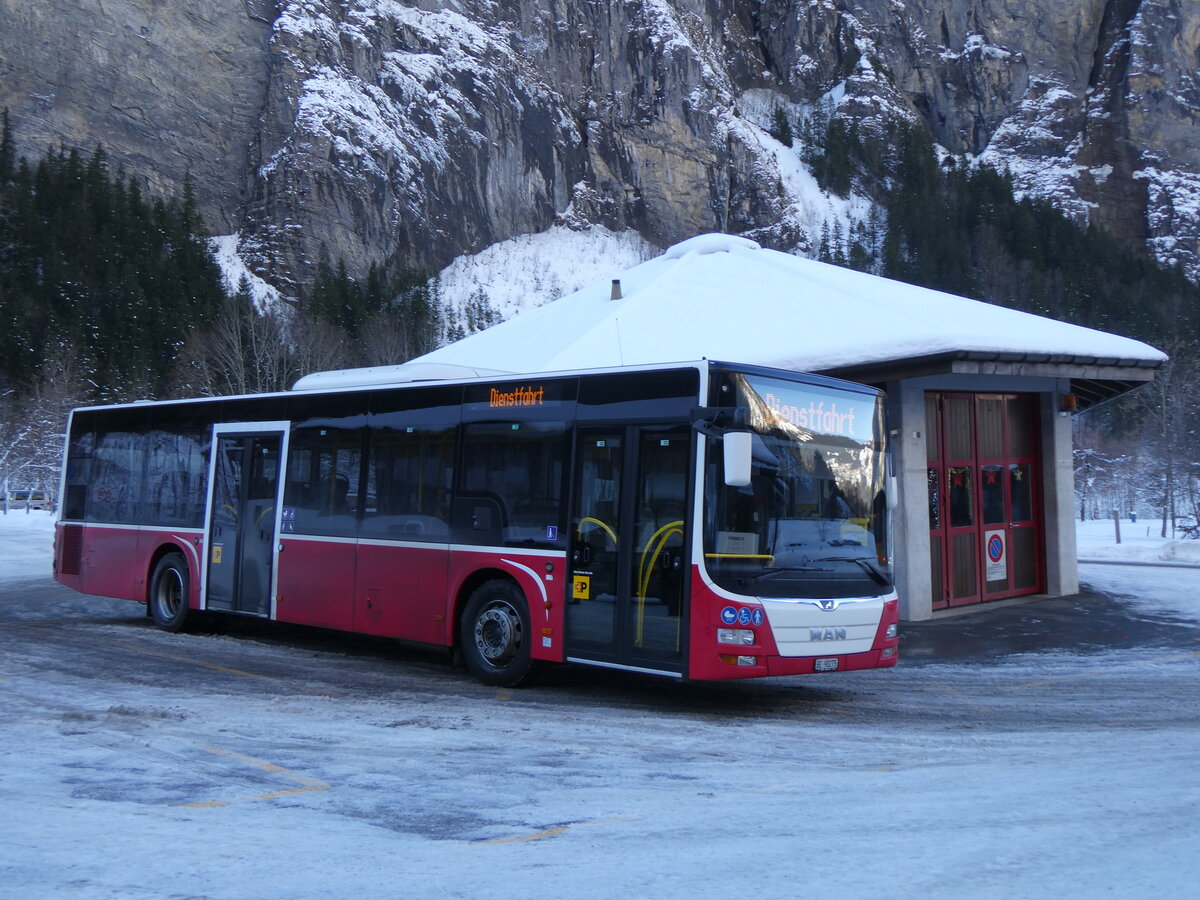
<point x="241" y="537"/>
<point x="658" y="551"/>
<point x="595" y="539"/>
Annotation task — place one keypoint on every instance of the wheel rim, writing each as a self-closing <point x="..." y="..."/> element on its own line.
<point x="170" y="593"/>
<point x="498" y="633"/>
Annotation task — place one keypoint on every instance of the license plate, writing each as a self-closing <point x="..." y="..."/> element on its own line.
<point x="828" y="664"/>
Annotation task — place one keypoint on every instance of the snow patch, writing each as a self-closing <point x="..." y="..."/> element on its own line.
<point x="530" y="270"/>
<point x="233" y="269"/>
<point x="710" y="243"/>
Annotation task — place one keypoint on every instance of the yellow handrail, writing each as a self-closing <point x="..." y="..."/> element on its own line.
<point x="644" y="572"/>
<point x="767" y="556"/>
<point x="586" y="519"/>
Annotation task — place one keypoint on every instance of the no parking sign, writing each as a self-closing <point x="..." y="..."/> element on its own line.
<point x="994" y="551"/>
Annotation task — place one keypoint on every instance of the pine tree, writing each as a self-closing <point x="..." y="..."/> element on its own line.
<point x="92" y="264"/>
<point x="7" y="153"/>
<point x="781" y="127"/>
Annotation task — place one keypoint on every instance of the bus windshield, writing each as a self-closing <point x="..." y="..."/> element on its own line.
<point x="812" y="523"/>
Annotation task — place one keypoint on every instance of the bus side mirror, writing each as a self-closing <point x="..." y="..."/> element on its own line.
<point x="738" y="457"/>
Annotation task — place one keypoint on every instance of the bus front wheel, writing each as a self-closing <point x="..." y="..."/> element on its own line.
<point x="495" y="634"/>
<point x="169" y="592"/>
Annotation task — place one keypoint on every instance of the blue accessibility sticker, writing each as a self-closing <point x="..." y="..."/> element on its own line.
<point x="729" y="615"/>
<point x="757" y="617"/>
<point x="743" y="616"/>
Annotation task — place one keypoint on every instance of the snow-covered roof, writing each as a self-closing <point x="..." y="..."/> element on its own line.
<point x="718" y="296"/>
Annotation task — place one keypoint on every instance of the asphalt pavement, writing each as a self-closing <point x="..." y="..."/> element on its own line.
<point x="1082" y="623"/>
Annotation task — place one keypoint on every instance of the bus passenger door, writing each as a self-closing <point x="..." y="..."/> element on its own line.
<point x="596" y="555"/>
<point x="243" y="508"/>
<point x="628" y="537"/>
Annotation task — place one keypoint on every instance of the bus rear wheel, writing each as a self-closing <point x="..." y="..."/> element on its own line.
<point x="495" y="634"/>
<point x="170" y="588"/>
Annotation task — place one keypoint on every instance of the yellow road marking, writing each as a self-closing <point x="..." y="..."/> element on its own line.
<point x="536" y="836"/>
<point x="305" y="784"/>
<point x="556" y="831"/>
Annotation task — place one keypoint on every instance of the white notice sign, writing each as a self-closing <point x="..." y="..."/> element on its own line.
<point x="994" y="551"/>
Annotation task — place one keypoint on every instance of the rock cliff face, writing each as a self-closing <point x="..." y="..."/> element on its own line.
<point x="385" y="132"/>
<point x="166" y="87"/>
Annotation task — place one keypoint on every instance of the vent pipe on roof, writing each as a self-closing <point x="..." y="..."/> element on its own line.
<point x="616" y="289"/>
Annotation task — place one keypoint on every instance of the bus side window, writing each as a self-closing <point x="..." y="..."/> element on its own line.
<point x="408" y="484"/>
<point x="117" y="477"/>
<point x="176" y="478"/>
<point x="511" y="484"/>
<point x="322" y="495"/>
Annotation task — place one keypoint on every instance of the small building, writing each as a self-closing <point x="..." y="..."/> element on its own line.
<point x="980" y="396"/>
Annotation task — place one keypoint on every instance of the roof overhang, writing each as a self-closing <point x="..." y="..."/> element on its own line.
<point x="1094" y="379"/>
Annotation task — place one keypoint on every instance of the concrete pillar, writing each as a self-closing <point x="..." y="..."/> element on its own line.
<point x="1058" y="467"/>
<point x="910" y="522"/>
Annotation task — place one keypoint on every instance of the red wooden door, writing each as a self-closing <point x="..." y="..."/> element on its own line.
<point x="984" y="505"/>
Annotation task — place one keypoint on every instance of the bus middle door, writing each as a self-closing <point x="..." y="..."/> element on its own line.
<point x="243" y="508"/>
<point x="628" y="560"/>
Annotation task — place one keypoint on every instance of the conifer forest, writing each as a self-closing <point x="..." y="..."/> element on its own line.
<point x="110" y="295"/>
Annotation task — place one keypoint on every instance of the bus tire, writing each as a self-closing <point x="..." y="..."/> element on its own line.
<point x="495" y="634"/>
<point x="170" y="588"/>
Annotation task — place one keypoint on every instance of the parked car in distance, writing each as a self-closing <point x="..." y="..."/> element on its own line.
<point x="27" y="499"/>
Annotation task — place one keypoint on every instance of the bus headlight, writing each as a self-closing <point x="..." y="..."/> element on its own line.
<point x="734" y="636"/>
<point x="891" y="630"/>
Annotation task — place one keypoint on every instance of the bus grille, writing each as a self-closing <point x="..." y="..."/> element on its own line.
<point x="71" y="559"/>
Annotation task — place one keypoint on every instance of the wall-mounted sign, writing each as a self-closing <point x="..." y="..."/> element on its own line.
<point x="994" y="550"/>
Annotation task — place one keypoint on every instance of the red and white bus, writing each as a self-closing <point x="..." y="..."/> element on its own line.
<point x="701" y="521"/>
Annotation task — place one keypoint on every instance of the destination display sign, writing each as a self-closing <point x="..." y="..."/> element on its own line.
<point x="528" y="395"/>
<point x="525" y="395"/>
<point x="782" y="403"/>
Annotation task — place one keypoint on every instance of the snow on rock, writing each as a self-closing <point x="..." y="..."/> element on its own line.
<point x="233" y="270"/>
<point x="1039" y="144"/>
<point x="530" y="270"/>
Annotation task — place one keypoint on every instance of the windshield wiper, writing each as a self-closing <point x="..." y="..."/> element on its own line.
<point x="779" y="570"/>
<point x="864" y="562"/>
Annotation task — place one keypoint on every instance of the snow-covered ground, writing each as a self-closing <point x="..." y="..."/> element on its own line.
<point x="1141" y="541"/>
<point x="26" y="545"/>
<point x="233" y="766"/>
<point x="1174" y="590"/>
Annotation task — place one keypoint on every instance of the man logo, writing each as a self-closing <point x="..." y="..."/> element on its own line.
<point x="828" y="604"/>
<point x="827" y="634"/>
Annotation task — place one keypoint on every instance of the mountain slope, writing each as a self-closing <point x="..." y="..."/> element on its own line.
<point x="389" y="133"/>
